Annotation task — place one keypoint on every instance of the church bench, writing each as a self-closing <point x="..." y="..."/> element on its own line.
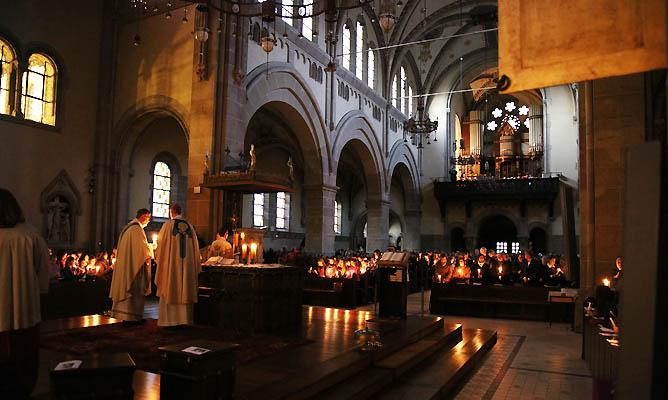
<point x="521" y="302"/>
<point x="331" y="292"/>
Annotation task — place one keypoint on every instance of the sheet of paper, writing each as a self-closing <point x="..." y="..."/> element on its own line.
<point x="195" y="350"/>
<point x="70" y="364"/>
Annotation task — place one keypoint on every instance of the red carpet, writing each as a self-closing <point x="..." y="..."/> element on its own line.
<point x="142" y="341"/>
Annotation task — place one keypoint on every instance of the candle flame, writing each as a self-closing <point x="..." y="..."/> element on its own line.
<point x="606" y="282"/>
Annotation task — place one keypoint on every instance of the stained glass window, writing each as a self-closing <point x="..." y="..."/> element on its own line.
<point x="283" y="211"/>
<point x="38" y="93"/>
<point x="7" y="58"/>
<point x="162" y="186"/>
<point x="258" y="209"/>
<point x="359" y="51"/>
<point x="337" y="217"/>
<point x="347" y="47"/>
<point x="371" y="70"/>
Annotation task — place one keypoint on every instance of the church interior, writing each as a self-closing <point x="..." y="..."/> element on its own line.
<point x="333" y="199"/>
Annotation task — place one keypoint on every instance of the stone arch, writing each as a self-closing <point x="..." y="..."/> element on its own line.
<point x="473" y="224"/>
<point x="287" y="91"/>
<point x="355" y="129"/>
<point x="401" y="156"/>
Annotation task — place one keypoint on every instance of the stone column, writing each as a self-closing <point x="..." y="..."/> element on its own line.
<point x="378" y="224"/>
<point x="411" y="237"/>
<point x="319" y="209"/>
<point x="476" y="130"/>
<point x="536" y="129"/>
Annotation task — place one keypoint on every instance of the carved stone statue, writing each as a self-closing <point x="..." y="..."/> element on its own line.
<point x="291" y="169"/>
<point x="59" y="229"/>
<point x="251" y="165"/>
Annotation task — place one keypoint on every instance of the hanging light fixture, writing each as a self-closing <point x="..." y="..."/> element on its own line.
<point x="202" y="23"/>
<point x="420" y="127"/>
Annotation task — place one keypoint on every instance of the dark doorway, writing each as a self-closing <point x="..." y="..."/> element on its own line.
<point x="538" y="241"/>
<point x="497" y="229"/>
<point x="457" y="242"/>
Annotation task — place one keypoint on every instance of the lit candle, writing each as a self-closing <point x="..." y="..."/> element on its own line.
<point x="606" y="282"/>
<point x="154" y="237"/>
<point x="242" y="236"/>
<point x="253" y="252"/>
<point x="500" y="270"/>
<point x="459" y="270"/>
<point x="244" y="249"/>
<point x="438" y="277"/>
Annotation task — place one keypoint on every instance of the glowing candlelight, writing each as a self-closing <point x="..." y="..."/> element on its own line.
<point x="154" y="237"/>
<point x="439" y="277"/>
<point x="244" y="249"/>
<point x="606" y="282"/>
<point x="500" y="270"/>
<point x="460" y="270"/>
<point x="253" y="252"/>
<point x="242" y="235"/>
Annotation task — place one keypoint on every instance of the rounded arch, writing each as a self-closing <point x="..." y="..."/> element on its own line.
<point x="290" y="95"/>
<point x="474" y="223"/>
<point x="355" y="130"/>
<point x="496" y="228"/>
<point x="402" y="159"/>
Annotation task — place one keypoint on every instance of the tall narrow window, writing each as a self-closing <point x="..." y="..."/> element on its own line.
<point x="359" y="51"/>
<point x="258" y="209"/>
<point x="501" y="247"/>
<point x="409" y="100"/>
<point x="515" y="247"/>
<point x="162" y="186"/>
<point x="287" y="7"/>
<point x="371" y="70"/>
<point x="307" y="23"/>
<point x="404" y="90"/>
<point x="283" y="211"/>
<point x="395" y="93"/>
<point x="7" y="58"/>
<point x="347" y="47"/>
<point x="337" y="217"/>
<point x="38" y="93"/>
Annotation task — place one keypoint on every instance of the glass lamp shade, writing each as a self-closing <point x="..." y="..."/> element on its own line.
<point x="267" y="44"/>
<point x="386" y="22"/>
<point x="202" y="35"/>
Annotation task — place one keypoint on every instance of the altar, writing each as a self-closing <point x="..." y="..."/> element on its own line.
<point x="255" y="298"/>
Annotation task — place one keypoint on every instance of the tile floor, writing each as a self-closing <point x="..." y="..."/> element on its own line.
<point x="530" y="360"/>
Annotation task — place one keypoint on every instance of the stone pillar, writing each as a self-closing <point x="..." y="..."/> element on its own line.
<point x="378" y="224"/>
<point x="476" y="130"/>
<point x="319" y="208"/>
<point x="412" y="239"/>
<point x="524" y="242"/>
<point x="536" y="129"/>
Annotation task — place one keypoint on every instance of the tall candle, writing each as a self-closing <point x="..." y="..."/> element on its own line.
<point x="253" y="252"/>
<point x="242" y="236"/>
<point x="244" y="249"/>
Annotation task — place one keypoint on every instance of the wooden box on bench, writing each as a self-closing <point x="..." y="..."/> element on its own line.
<point x="99" y="376"/>
<point x="198" y="369"/>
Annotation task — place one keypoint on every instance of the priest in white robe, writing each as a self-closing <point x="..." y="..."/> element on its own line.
<point x="23" y="276"/>
<point x="221" y="247"/>
<point x="178" y="260"/>
<point x="132" y="273"/>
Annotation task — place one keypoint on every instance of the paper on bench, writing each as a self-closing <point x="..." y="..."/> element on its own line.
<point x="195" y="350"/>
<point x="69" y="364"/>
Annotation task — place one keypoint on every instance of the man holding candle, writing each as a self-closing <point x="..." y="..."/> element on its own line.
<point x="178" y="261"/>
<point x="132" y="272"/>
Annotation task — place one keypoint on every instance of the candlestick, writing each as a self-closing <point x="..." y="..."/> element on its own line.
<point x="244" y="249"/>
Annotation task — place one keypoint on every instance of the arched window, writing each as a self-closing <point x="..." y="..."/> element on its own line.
<point x="337" y="217"/>
<point x="409" y="100"/>
<point x="283" y="211"/>
<point x="287" y="7"/>
<point x="258" y="209"/>
<point x="359" y="51"/>
<point x="371" y="69"/>
<point x="404" y="90"/>
<point x="7" y="65"/>
<point x="162" y="186"/>
<point x="347" y="47"/>
<point x="307" y="23"/>
<point x="395" y="93"/>
<point x="38" y="93"/>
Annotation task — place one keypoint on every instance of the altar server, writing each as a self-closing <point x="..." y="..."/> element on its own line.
<point x="132" y="272"/>
<point x="221" y="247"/>
<point x="23" y="276"/>
<point x="178" y="261"/>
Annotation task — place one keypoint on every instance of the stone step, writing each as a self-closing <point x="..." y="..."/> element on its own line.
<point x="382" y="373"/>
<point x="438" y="376"/>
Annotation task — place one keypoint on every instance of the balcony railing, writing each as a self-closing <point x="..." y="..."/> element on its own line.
<point x="497" y="189"/>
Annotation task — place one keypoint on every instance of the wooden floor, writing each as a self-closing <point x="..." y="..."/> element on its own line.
<point x="331" y="330"/>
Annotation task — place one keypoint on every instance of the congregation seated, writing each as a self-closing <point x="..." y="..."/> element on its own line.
<point x="79" y="266"/>
<point x="350" y="267"/>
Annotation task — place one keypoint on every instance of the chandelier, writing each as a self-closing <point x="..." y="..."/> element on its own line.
<point x="420" y="127"/>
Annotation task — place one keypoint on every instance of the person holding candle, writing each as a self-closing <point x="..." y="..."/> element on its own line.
<point x="24" y="276"/>
<point x="444" y="269"/>
<point x="132" y="272"/>
<point x="178" y="260"/>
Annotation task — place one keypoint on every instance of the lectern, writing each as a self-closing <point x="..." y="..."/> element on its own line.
<point x="393" y="285"/>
